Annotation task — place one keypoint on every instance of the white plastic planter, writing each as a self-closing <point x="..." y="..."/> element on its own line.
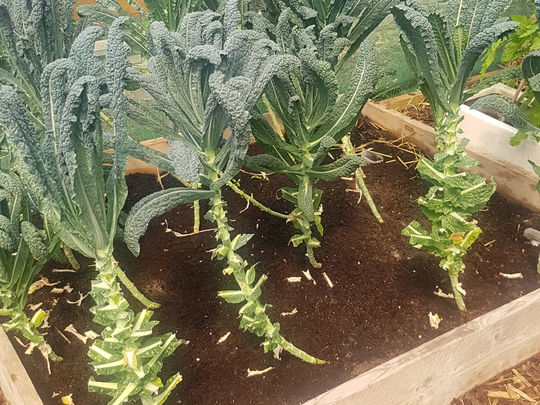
<point x="492" y="137"/>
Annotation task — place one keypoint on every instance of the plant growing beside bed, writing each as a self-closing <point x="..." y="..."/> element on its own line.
<point x="316" y="112"/>
<point x="205" y="78"/>
<point x="82" y="199"/>
<point x="24" y="250"/>
<point x="442" y="50"/>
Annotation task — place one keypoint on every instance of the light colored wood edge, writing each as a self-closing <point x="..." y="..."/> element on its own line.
<point x="401" y="103"/>
<point x="512" y="181"/>
<point x="14" y="381"/>
<point x="451" y="364"/>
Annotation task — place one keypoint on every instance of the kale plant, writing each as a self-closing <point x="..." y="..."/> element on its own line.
<point x="142" y="14"/>
<point x="315" y="112"/>
<point x="442" y="50"/>
<point x="24" y="250"/>
<point x="33" y="34"/>
<point x="206" y="78"/>
<point x="81" y="191"/>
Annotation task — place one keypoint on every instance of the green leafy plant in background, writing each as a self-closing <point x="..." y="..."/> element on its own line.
<point x="32" y="35"/>
<point x="442" y="50"/>
<point x="525" y="39"/>
<point x="531" y="73"/>
<point x="315" y="112"/>
<point x="66" y="176"/>
<point x="205" y="79"/>
<point x="510" y="110"/>
<point x="519" y="61"/>
<point x="24" y="250"/>
<point x="142" y="14"/>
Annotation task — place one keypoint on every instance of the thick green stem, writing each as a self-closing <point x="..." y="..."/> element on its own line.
<point x="196" y="217"/>
<point x="256" y="203"/>
<point x="538" y="265"/>
<point x="447" y="139"/>
<point x="359" y="176"/>
<point x="252" y="313"/>
<point x="295" y="351"/>
<point x="132" y="288"/>
<point x="126" y="350"/>
<point x="71" y="257"/>
<point x="348" y="149"/>
<point x="311" y="257"/>
<point x="457" y="294"/>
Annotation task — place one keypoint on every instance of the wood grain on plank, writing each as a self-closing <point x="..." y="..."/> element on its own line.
<point x="450" y="364"/>
<point x="14" y="381"/>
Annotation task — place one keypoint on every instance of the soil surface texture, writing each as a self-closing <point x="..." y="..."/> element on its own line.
<point x="519" y="385"/>
<point x="378" y="308"/>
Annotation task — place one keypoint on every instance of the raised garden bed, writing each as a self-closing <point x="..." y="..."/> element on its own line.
<point x="377" y="309"/>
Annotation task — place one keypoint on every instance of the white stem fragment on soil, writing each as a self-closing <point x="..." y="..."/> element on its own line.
<point x="182" y="235"/>
<point x="79" y="301"/>
<point x="19" y="341"/>
<point x="224" y="338"/>
<point x="67" y="288"/>
<point x="45" y="352"/>
<point x="254" y="373"/>
<point x="34" y="307"/>
<point x="63" y="336"/>
<point x="327" y="279"/>
<point x="89" y="335"/>
<point x="45" y="324"/>
<point x="434" y="320"/>
<point x="277" y="352"/>
<point x="293" y="312"/>
<point x="294" y="279"/>
<point x="42" y="282"/>
<point x="460" y="289"/>
<point x="64" y="271"/>
<point x="511" y="275"/>
<point x="442" y="294"/>
<point x="307" y="274"/>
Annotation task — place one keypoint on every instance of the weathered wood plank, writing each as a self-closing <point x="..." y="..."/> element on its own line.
<point x="14" y="382"/>
<point x="512" y="181"/>
<point x="451" y="364"/>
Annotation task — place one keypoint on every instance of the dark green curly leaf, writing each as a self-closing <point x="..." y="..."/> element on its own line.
<point x="154" y="205"/>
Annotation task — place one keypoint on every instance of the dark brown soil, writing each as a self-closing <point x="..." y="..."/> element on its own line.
<point x="378" y="308"/>
<point x="421" y="112"/>
<point x="501" y="390"/>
